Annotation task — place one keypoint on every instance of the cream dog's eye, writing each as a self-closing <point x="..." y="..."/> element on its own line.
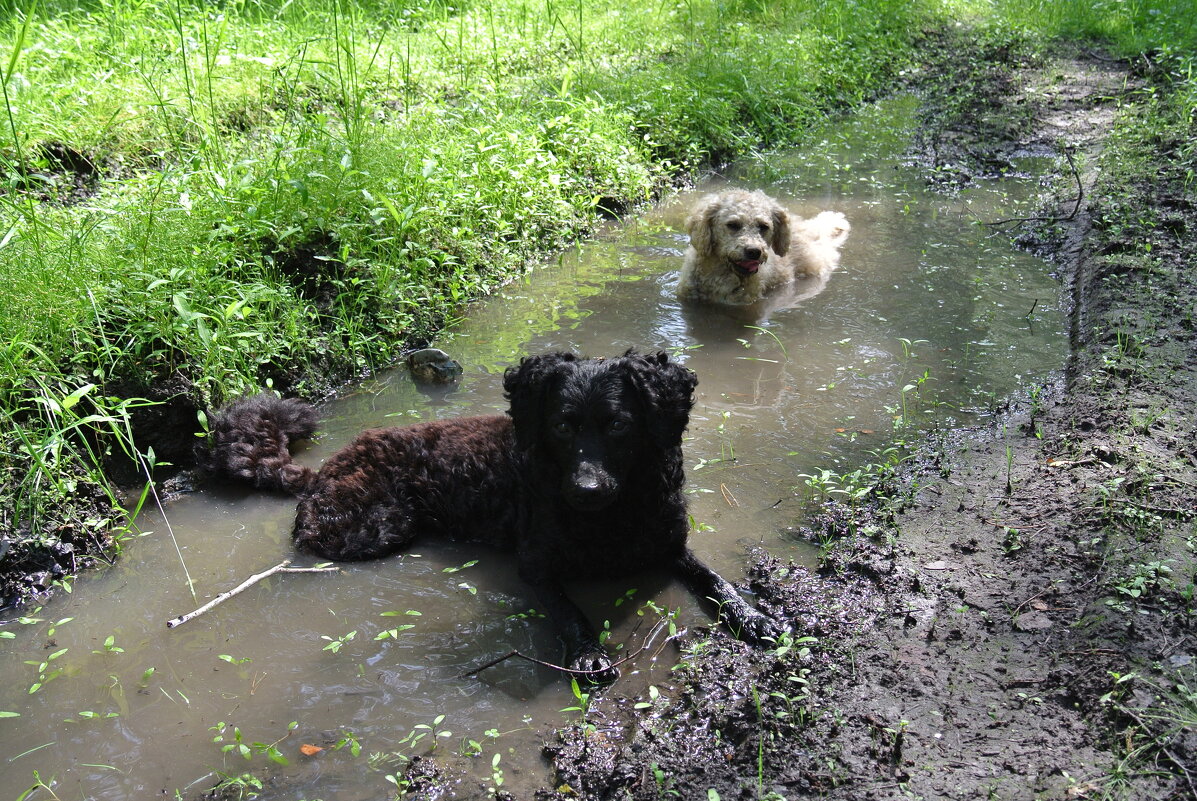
<point x="764" y="228"/>
<point x="734" y="226"/>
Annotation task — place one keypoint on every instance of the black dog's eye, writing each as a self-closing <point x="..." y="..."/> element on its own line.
<point x="734" y="226"/>
<point x="618" y="426"/>
<point x="563" y="429"/>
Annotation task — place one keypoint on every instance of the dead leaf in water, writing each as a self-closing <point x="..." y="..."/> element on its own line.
<point x="310" y="750"/>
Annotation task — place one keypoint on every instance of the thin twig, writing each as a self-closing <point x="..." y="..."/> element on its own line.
<point x="165" y="519"/>
<point x="281" y="567"/>
<point x="574" y="671"/>
<point x="1080" y="196"/>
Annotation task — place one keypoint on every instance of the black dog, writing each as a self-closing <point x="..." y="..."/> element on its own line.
<point x="583" y="478"/>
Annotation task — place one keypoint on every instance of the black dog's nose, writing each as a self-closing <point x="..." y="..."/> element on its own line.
<point x="752" y="254"/>
<point x="590" y="490"/>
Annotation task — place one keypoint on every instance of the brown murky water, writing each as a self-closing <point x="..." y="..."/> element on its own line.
<point x="928" y="316"/>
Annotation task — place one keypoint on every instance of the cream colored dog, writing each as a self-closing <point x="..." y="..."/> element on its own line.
<point x="744" y="245"/>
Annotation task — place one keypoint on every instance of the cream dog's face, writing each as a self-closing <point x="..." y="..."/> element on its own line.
<point x="741" y="228"/>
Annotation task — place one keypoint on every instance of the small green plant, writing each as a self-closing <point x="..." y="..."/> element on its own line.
<point x="335" y="644"/>
<point x="427" y="733"/>
<point x="496" y="775"/>
<point x="897" y="740"/>
<point x="348" y="740"/>
<point x="760" y="742"/>
<point x="1011" y="540"/>
<point x="527" y="614"/>
<point x="1142" y="580"/>
<point x="47" y="670"/>
<point x="38" y="785"/>
<point x="244" y="785"/>
<point x="1035" y="392"/>
<point x="1009" y="464"/>
<point x="653" y="695"/>
<point x="247" y="750"/>
<point x="110" y="646"/>
<point x="825" y="485"/>
<point x="664" y="782"/>
<point x="581" y="706"/>
<point x="90" y="715"/>
<point x="393" y="632"/>
<point x="795" y="700"/>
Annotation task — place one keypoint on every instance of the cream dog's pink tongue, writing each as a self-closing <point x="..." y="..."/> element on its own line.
<point x="749" y="266"/>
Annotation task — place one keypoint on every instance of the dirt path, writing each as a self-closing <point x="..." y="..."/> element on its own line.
<point x="1013" y="619"/>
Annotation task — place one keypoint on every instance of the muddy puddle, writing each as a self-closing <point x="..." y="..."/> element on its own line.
<point x="929" y="318"/>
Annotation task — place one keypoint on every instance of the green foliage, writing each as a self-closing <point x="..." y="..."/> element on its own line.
<point x="1132" y="27"/>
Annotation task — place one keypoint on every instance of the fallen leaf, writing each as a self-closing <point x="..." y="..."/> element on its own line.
<point x="310" y="750"/>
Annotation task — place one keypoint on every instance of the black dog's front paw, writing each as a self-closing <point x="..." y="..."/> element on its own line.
<point x="751" y="626"/>
<point x="594" y="664"/>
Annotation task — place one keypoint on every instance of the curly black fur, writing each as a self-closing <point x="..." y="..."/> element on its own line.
<point x="582" y="478"/>
<point x="249" y="441"/>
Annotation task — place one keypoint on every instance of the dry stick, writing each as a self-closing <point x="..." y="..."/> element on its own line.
<point x="281" y="567"/>
<point x="1080" y="196"/>
<point x="574" y="671"/>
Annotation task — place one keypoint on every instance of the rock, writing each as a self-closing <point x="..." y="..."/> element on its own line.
<point x="1032" y="621"/>
<point x="433" y="366"/>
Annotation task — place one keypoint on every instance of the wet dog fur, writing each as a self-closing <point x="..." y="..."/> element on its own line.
<point x="582" y="478"/>
<point x="745" y="245"/>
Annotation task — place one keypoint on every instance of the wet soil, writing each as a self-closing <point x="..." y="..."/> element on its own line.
<point x="1012" y="617"/>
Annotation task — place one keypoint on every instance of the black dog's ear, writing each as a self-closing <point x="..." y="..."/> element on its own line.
<point x="667" y="389"/>
<point x="526" y="386"/>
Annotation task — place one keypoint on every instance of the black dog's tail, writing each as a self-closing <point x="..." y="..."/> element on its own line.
<point x="249" y="442"/>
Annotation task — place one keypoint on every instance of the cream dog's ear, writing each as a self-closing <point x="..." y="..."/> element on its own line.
<point x="780" y="238"/>
<point x="700" y="225"/>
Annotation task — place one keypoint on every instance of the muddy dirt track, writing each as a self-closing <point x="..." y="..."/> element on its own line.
<point x="1013" y="616"/>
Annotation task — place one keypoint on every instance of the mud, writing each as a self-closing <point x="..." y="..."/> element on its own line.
<point x="1012" y="616"/>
